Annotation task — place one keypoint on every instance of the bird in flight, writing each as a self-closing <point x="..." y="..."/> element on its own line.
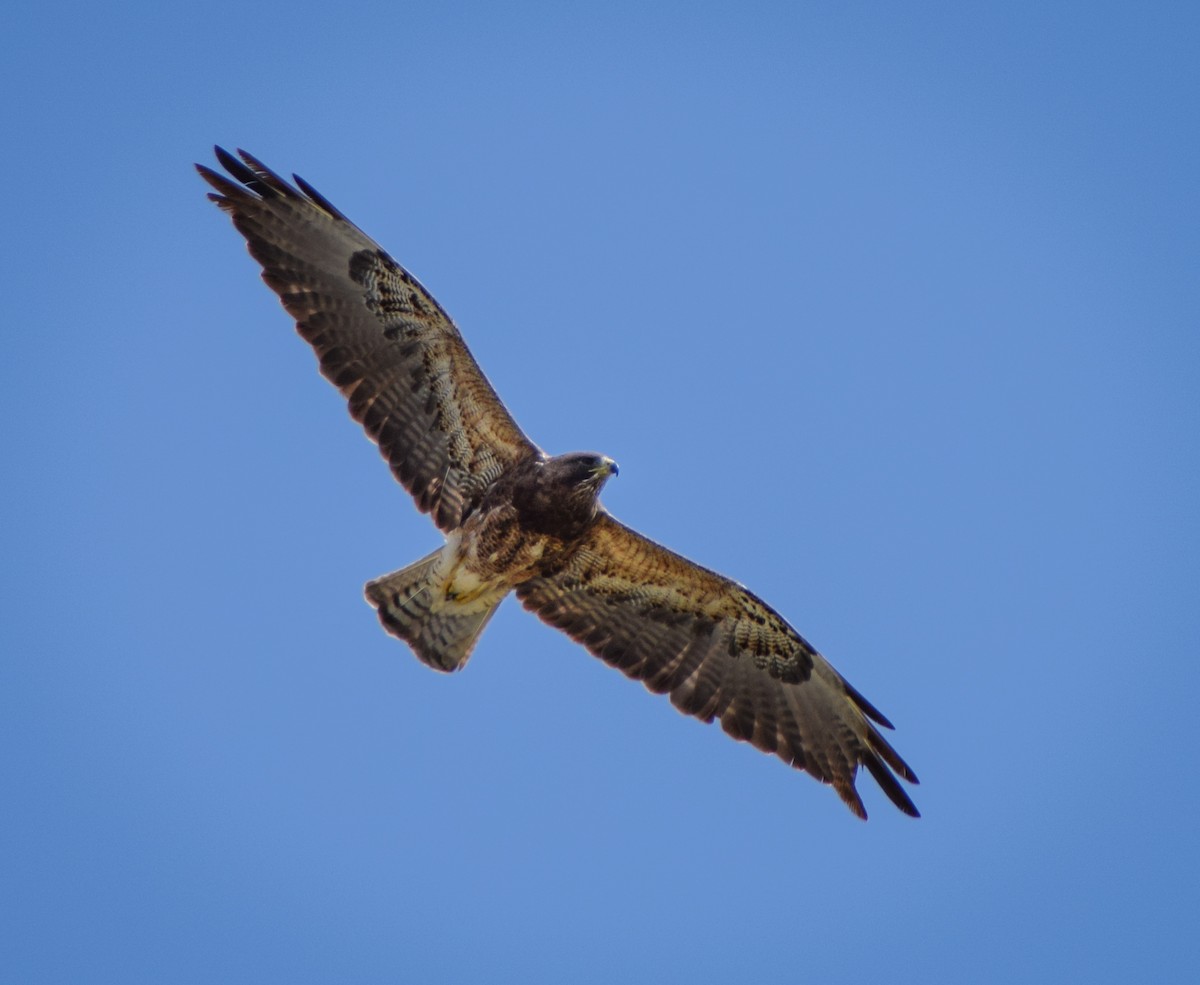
<point x="518" y="520"/>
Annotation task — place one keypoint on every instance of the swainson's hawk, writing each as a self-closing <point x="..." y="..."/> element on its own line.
<point x="517" y="519"/>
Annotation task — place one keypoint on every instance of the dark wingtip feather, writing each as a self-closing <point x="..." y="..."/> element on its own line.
<point x="866" y="707"/>
<point x="252" y="173"/>
<point x="890" y="785"/>
<point x="880" y="746"/>
<point x="235" y="167"/>
<point x="226" y="188"/>
<point x="267" y="182"/>
<point x="317" y="197"/>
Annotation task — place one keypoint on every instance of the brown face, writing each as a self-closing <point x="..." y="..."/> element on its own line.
<point x="580" y="470"/>
<point x="559" y="496"/>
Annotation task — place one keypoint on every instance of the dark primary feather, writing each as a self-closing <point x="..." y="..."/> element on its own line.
<point x="719" y="652"/>
<point x="380" y="338"/>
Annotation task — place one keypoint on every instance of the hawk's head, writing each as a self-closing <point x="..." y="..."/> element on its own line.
<point x="558" y="496"/>
<point x="581" y="470"/>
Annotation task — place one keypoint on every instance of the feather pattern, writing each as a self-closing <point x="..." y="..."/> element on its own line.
<point x="720" y="653"/>
<point x="380" y="338"/>
<point x="518" y="520"/>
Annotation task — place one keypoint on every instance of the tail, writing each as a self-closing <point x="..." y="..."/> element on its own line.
<point x="441" y="631"/>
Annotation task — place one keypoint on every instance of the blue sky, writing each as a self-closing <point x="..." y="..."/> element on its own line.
<point x="888" y="311"/>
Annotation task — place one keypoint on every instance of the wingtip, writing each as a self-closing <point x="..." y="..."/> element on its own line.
<point x="251" y="161"/>
<point x="868" y="709"/>
<point x="890" y="785"/>
<point x="227" y="160"/>
<point x="225" y="190"/>
<point x="317" y="197"/>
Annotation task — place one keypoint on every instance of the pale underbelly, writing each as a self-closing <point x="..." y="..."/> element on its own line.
<point x="476" y="571"/>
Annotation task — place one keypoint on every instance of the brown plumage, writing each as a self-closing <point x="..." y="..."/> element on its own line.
<point x="518" y="520"/>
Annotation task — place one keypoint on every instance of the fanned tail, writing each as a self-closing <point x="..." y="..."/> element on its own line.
<point x="411" y="605"/>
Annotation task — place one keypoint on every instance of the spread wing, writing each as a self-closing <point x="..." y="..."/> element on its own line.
<point x="380" y="337"/>
<point x="719" y="652"/>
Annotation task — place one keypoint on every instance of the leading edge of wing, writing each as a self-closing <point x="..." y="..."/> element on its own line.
<point x="379" y="336"/>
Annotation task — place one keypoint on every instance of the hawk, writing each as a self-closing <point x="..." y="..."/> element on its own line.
<point x="517" y="520"/>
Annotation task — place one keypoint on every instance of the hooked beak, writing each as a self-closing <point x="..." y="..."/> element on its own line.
<point x="606" y="468"/>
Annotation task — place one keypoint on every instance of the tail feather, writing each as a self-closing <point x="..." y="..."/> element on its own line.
<point x="442" y="632"/>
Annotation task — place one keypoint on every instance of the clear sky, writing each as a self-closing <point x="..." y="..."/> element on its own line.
<point x="889" y="311"/>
